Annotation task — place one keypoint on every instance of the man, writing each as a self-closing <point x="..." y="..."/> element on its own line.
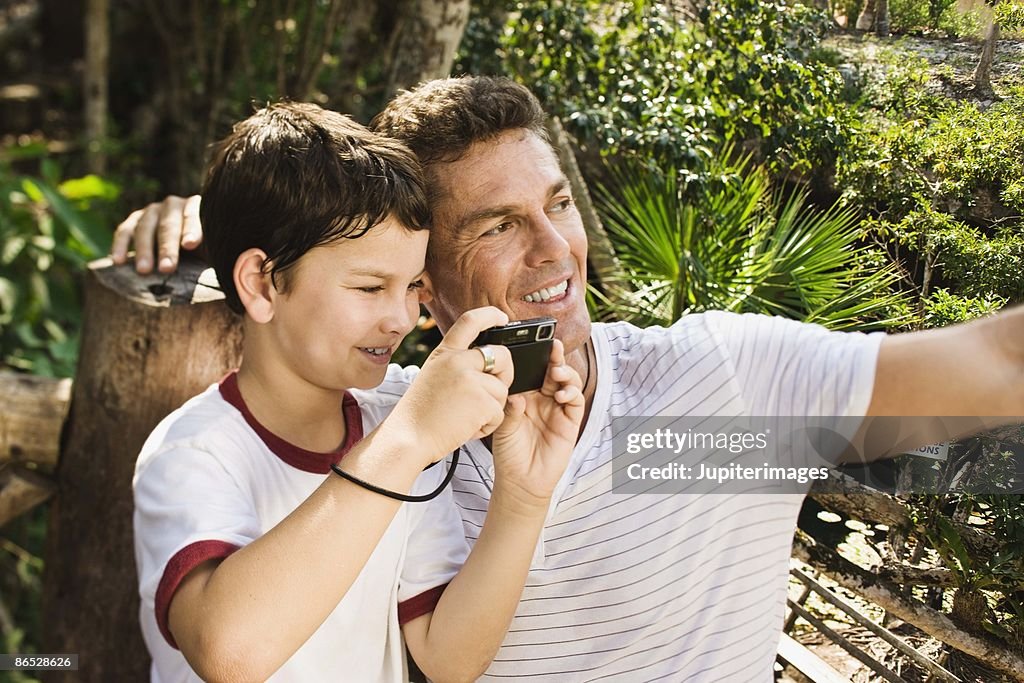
<point x="668" y="587"/>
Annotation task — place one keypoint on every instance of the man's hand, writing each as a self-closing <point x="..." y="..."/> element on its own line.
<point x="174" y="223"/>
<point x="453" y="400"/>
<point x="533" y="444"/>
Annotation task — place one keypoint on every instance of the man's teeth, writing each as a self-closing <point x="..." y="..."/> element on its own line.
<point x="379" y="351"/>
<point x="546" y="293"/>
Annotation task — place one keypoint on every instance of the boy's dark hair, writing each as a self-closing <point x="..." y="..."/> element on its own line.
<point x="294" y="176"/>
<point x="440" y="119"/>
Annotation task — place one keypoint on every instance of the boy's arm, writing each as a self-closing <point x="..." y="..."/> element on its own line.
<point x="242" y="617"/>
<point x="531" y="449"/>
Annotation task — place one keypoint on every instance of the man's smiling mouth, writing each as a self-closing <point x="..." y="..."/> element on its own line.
<point x="546" y="293"/>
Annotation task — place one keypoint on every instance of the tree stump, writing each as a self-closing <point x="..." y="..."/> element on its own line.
<point x="148" y="344"/>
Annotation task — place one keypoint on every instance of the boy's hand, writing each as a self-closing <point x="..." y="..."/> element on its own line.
<point x="533" y="445"/>
<point x="174" y="223"/>
<point x="453" y="400"/>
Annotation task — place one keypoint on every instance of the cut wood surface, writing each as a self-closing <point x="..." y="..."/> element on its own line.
<point x="148" y="344"/>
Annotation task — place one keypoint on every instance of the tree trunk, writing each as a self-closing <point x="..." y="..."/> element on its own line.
<point x="425" y="41"/>
<point x="866" y="20"/>
<point x="148" y="344"/>
<point x="983" y="72"/>
<point x="882" y="18"/>
<point x="97" y="57"/>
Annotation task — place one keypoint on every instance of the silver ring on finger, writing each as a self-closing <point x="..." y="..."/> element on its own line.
<point x="488" y="355"/>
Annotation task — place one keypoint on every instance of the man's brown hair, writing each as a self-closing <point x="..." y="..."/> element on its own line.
<point x="293" y="177"/>
<point x="440" y="119"/>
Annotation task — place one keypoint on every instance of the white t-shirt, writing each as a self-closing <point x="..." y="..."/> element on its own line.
<point x="211" y="479"/>
<point x="670" y="587"/>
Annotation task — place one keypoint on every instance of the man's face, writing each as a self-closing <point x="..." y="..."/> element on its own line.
<point x="507" y="234"/>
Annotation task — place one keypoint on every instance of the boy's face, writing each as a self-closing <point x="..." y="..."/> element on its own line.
<point x="348" y="305"/>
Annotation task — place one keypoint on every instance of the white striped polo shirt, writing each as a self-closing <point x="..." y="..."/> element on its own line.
<point x="670" y="587"/>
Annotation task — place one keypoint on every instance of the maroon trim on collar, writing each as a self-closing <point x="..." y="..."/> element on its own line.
<point x="418" y="605"/>
<point x="299" y="458"/>
<point x="178" y="567"/>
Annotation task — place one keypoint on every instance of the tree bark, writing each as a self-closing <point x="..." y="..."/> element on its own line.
<point x="983" y="72"/>
<point x="866" y="20"/>
<point x="97" y="58"/>
<point x="882" y="18"/>
<point x="426" y="39"/>
<point x="148" y="344"/>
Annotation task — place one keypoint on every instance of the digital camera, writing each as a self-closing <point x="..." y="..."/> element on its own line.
<point x="529" y="341"/>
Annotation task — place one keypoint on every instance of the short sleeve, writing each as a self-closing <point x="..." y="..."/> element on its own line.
<point x="785" y="367"/>
<point x="188" y="509"/>
<point x="436" y="549"/>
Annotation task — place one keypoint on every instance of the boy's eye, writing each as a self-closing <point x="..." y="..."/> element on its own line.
<point x="418" y="284"/>
<point x="370" y="290"/>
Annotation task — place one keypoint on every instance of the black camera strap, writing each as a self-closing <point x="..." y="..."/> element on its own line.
<point x="403" y="496"/>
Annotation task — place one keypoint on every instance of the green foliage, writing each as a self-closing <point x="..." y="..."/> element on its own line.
<point x="634" y="78"/>
<point x="739" y="247"/>
<point x="915" y="16"/>
<point x="944" y="308"/>
<point x="1010" y="15"/>
<point x="21" y="571"/>
<point x="946" y="180"/>
<point x="49" y="230"/>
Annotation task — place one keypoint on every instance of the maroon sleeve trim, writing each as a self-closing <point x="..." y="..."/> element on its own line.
<point x="418" y="605"/>
<point x="178" y="567"/>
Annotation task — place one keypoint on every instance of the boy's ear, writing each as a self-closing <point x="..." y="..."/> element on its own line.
<point x="255" y="288"/>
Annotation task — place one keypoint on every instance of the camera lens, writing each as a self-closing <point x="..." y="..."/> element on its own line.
<point x="545" y="332"/>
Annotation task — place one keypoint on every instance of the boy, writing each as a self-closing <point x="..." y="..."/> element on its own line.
<point x="255" y="560"/>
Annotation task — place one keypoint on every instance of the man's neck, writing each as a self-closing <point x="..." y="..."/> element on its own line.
<point x="584" y="362"/>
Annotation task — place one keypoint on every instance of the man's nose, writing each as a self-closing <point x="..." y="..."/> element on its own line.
<point x="547" y="243"/>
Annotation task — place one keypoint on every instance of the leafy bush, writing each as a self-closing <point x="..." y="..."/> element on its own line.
<point x="49" y="230"/>
<point x="740" y="247"/>
<point x="632" y="77"/>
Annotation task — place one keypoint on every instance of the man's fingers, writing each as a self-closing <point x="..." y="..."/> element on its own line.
<point x="123" y="236"/>
<point x="169" y="231"/>
<point x="143" y="238"/>
<point x="192" y="230"/>
<point x="470" y="324"/>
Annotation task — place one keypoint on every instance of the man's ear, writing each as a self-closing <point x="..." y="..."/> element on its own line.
<point x="255" y="288"/>
<point x="427" y="290"/>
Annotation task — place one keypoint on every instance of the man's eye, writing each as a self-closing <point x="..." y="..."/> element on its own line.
<point x="562" y="205"/>
<point x="370" y="290"/>
<point x="498" y="229"/>
<point x="418" y="284"/>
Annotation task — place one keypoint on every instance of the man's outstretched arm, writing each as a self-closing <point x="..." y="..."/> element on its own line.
<point x="958" y="379"/>
<point x="975" y="368"/>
